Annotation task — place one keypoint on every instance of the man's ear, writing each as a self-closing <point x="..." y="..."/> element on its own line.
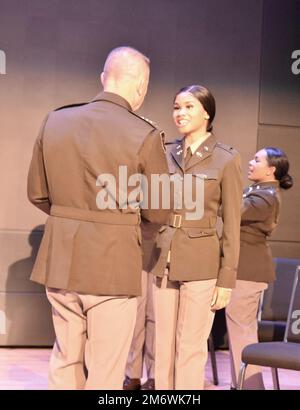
<point x="273" y="170"/>
<point x="140" y="86"/>
<point x="102" y="78"/>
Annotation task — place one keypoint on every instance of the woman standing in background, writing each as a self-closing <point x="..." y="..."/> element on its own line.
<point x="261" y="207"/>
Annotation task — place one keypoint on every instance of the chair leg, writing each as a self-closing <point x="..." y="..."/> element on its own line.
<point x="242" y="376"/>
<point x="213" y="359"/>
<point x="275" y="378"/>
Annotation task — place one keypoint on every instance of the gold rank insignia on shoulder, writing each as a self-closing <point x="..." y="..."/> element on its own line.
<point x="146" y="119"/>
<point x="149" y="121"/>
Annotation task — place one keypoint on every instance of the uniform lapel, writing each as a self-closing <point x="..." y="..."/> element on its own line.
<point x="177" y="152"/>
<point x="203" y="151"/>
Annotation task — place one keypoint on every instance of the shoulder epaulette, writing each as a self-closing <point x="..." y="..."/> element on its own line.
<point x="149" y="121"/>
<point x="70" y="106"/>
<point x="152" y="123"/>
<point x="227" y="148"/>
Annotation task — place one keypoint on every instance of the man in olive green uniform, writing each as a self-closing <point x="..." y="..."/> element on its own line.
<point x="90" y="257"/>
<point x="142" y="349"/>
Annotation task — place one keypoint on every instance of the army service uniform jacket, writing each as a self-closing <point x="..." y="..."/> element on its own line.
<point x="260" y="213"/>
<point x="79" y="149"/>
<point x="195" y="250"/>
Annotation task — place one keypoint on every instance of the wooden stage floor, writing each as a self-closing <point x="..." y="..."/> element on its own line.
<point x="26" y="369"/>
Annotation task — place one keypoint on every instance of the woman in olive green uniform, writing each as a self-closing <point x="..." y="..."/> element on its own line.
<point x="194" y="272"/>
<point x="261" y="207"/>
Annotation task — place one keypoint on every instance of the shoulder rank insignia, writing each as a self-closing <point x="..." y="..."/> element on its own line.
<point x="149" y="121"/>
<point x="152" y="123"/>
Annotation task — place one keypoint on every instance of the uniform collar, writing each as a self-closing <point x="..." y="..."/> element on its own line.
<point x="273" y="185"/>
<point x="113" y="98"/>
<point x="203" y="151"/>
<point x="195" y="145"/>
<point x="265" y="185"/>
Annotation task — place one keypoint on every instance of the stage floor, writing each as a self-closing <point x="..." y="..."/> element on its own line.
<point x="26" y="369"/>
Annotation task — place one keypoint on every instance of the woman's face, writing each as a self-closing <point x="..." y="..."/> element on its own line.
<point x="259" y="169"/>
<point x="189" y="115"/>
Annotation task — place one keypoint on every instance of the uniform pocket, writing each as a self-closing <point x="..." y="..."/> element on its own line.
<point x="200" y="233"/>
<point x="210" y="174"/>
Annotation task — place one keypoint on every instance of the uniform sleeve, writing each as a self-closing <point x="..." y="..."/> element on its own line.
<point x="37" y="187"/>
<point x="257" y="206"/>
<point x="231" y="216"/>
<point x="152" y="164"/>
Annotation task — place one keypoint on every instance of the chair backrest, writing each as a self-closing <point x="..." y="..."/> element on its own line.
<point x="276" y="299"/>
<point x="292" y="332"/>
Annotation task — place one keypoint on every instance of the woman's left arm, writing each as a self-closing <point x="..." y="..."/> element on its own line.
<point x="231" y="215"/>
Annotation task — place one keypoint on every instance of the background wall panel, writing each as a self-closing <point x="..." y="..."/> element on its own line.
<point x="55" y="51"/>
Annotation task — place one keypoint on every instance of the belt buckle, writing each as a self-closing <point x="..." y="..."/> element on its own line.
<point x="177" y="221"/>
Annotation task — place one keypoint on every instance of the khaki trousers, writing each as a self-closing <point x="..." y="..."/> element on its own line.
<point x="241" y="320"/>
<point x="142" y="345"/>
<point x="183" y="321"/>
<point x="93" y="336"/>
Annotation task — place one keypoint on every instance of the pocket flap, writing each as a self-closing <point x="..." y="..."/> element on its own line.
<point x="200" y="232"/>
<point x="208" y="174"/>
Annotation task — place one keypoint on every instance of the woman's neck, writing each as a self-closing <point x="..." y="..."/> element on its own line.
<point x="200" y="136"/>
<point x="261" y="181"/>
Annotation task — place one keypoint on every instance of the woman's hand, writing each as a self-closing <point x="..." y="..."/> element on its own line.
<point x="221" y="298"/>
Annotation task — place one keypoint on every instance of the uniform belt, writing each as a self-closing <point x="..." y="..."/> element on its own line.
<point x="87" y="215"/>
<point x="178" y="221"/>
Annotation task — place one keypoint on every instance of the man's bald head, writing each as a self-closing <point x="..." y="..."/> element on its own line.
<point x="126" y="72"/>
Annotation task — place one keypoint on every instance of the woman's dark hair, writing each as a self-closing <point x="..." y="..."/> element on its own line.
<point x="278" y="159"/>
<point x="205" y="97"/>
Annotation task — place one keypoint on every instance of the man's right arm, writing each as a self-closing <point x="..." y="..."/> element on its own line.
<point x="153" y="161"/>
